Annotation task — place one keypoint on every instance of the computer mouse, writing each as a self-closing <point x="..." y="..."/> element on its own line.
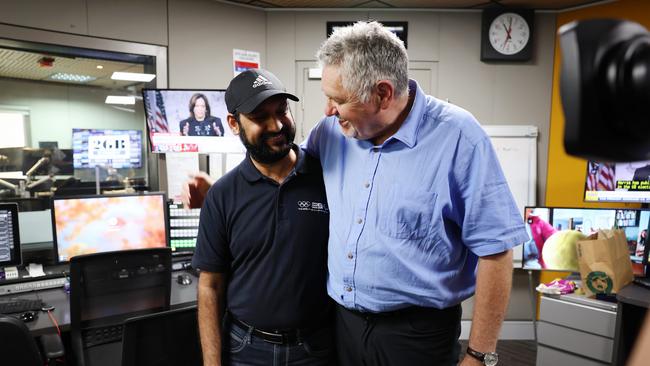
<point x="184" y="279"/>
<point x="28" y="316"/>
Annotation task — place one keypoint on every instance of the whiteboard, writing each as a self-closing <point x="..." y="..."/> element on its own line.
<point x="516" y="149"/>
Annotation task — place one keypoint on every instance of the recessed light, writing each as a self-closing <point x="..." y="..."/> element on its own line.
<point x="100" y="67"/>
<point x="132" y="76"/>
<point x="118" y="99"/>
<point x="77" y="78"/>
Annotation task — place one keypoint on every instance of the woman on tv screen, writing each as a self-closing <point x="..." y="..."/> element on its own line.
<point x="200" y="122"/>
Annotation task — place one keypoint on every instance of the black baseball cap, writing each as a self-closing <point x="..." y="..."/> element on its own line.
<point x="250" y="88"/>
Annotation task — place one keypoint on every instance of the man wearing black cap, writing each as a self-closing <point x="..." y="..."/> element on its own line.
<point x="262" y="242"/>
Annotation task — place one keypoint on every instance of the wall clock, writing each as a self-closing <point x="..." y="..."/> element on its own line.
<point x="507" y="35"/>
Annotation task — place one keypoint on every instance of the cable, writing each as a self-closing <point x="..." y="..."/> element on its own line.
<point x="49" y="309"/>
<point x="56" y="324"/>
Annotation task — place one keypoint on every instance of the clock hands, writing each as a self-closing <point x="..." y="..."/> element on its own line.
<point x="508" y="30"/>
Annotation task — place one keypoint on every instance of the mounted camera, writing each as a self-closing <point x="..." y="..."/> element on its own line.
<point x="605" y="89"/>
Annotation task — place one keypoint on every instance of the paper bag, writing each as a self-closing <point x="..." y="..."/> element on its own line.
<point x="604" y="262"/>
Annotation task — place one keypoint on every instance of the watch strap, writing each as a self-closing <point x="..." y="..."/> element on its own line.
<point x="476" y="354"/>
<point x="489" y="358"/>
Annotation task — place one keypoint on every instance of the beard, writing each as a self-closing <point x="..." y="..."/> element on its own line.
<point x="262" y="151"/>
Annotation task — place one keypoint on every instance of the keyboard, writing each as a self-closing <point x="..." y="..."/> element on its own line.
<point x="19" y="305"/>
<point x="96" y="336"/>
<point x="32" y="285"/>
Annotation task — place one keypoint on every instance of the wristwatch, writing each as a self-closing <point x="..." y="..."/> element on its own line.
<point x="488" y="359"/>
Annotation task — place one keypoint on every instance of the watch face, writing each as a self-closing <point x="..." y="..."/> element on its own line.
<point x="509" y="33"/>
<point x="491" y="359"/>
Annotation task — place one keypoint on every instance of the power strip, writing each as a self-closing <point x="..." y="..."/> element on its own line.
<point x="32" y="286"/>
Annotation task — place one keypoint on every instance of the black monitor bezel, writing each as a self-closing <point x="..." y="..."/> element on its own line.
<point x="644" y="260"/>
<point x="146" y="121"/>
<point x="60" y="198"/>
<point x="17" y="259"/>
<point x="142" y="157"/>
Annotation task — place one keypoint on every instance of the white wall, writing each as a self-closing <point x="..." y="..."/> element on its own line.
<point x="142" y="21"/>
<point x="202" y="35"/>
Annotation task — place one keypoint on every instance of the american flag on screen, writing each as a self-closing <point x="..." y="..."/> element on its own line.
<point x="601" y="176"/>
<point x="156" y="117"/>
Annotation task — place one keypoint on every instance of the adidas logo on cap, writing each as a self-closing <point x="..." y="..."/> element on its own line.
<point x="261" y="80"/>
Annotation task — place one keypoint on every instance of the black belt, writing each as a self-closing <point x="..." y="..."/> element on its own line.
<point x="280" y="337"/>
<point x="402" y="312"/>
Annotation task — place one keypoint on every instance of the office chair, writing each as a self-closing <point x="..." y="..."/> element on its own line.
<point x="18" y="346"/>
<point x="106" y="289"/>
<point x="168" y="338"/>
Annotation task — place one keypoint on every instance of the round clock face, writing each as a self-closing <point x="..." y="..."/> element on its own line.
<point x="509" y="33"/>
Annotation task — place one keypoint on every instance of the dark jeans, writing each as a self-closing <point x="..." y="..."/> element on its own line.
<point x="415" y="337"/>
<point x="241" y="348"/>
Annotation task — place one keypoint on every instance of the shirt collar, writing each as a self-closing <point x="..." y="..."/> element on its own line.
<point x="407" y="132"/>
<point x="251" y="174"/>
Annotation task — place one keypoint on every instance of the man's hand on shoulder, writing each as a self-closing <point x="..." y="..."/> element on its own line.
<point x="195" y="189"/>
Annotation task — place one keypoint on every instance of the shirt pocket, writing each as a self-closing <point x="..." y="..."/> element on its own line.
<point x="407" y="213"/>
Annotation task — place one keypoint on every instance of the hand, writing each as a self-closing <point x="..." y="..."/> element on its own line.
<point x="186" y="129"/>
<point x="195" y="189"/>
<point x="217" y="130"/>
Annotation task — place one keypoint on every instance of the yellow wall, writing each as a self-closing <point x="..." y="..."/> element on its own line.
<point x="566" y="174"/>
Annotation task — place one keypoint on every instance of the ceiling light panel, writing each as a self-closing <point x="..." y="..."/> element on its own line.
<point x="118" y="99"/>
<point x="132" y="76"/>
<point x="77" y="78"/>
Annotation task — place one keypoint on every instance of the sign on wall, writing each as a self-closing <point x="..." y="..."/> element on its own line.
<point x="244" y="60"/>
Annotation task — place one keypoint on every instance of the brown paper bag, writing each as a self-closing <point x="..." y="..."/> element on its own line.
<point x="604" y="262"/>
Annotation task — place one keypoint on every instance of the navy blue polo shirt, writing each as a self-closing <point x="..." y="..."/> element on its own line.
<point x="271" y="241"/>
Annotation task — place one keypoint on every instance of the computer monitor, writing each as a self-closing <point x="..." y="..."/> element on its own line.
<point x="9" y="236"/>
<point x="100" y="147"/>
<point x="617" y="182"/>
<point x="554" y="232"/>
<point x="183" y="228"/>
<point x="93" y="224"/>
<point x="188" y="121"/>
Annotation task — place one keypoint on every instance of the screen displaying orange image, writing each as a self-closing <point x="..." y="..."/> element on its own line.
<point x="92" y="225"/>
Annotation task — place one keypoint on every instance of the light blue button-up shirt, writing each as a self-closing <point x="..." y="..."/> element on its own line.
<point x="410" y="217"/>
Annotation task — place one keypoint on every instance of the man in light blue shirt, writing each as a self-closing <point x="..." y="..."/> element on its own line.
<point x="421" y="216"/>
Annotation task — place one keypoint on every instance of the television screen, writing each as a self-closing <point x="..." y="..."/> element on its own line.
<point x="554" y="233"/>
<point x="188" y="121"/>
<point x="107" y="148"/>
<point x="618" y="182"/>
<point x="94" y="224"/>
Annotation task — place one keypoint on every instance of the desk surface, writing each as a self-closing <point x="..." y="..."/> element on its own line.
<point x="635" y="295"/>
<point x="181" y="295"/>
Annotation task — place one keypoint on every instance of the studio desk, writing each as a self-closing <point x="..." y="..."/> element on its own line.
<point x="181" y="296"/>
